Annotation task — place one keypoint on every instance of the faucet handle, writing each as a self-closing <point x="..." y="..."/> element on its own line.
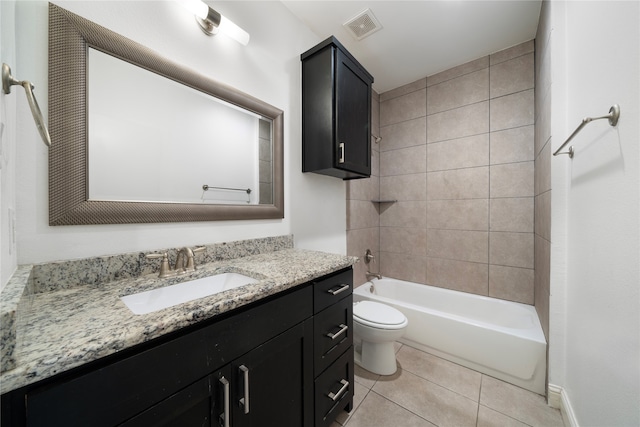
<point x="165" y="270"/>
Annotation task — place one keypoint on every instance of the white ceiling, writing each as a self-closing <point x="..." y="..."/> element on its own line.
<point x="421" y="37"/>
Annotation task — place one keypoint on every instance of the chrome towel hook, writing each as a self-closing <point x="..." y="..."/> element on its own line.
<point x="7" y="81"/>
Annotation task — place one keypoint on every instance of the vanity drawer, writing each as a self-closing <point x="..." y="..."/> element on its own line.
<point x="332" y="333"/>
<point x="334" y="390"/>
<point x="332" y="289"/>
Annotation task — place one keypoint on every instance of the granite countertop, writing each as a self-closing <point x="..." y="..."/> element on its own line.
<point x="66" y="328"/>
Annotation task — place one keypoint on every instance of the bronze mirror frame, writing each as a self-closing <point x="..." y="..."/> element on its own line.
<point x="70" y="37"/>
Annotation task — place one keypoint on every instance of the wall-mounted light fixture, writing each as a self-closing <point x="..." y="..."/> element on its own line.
<point x="213" y="22"/>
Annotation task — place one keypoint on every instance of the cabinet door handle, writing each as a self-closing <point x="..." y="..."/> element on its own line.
<point x="345" y="386"/>
<point x="245" y="400"/>
<point x="343" y="329"/>
<point x="341" y="159"/>
<point x="225" y="415"/>
<point x="342" y="288"/>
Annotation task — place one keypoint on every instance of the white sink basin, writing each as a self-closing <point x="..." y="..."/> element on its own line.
<point x="157" y="299"/>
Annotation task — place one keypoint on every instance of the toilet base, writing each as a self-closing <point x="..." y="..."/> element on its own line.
<point x="379" y="358"/>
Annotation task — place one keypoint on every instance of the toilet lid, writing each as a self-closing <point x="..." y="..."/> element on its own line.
<point x="375" y="312"/>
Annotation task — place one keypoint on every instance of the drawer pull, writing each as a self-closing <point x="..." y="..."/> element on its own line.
<point x="345" y="386"/>
<point x="343" y="329"/>
<point x="225" y="415"/>
<point x="245" y="400"/>
<point x="342" y="288"/>
<point x="341" y="146"/>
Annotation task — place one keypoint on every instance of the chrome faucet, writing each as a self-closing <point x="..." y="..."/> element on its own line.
<point x="370" y="274"/>
<point x="368" y="257"/>
<point x="184" y="261"/>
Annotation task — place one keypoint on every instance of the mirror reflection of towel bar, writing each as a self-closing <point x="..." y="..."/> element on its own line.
<point x="7" y="81"/>
<point x="613" y="116"/>
<point x="206" y="187"/>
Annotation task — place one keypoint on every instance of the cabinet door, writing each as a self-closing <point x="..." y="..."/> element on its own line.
<point x="203" y="403"/>
<point x="273" y="383"/>
<point x="353" y="116"/>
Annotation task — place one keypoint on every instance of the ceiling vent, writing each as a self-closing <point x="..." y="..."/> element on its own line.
<point x="363" y="25"/>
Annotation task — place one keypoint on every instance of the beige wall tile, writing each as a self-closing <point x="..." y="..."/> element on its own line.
<point x="542" y="280"/>
<point x="512" y="180"/>
<point x="469" y="214"/>
<point x="457" y="244"/>
<point x="512" y="76"/>
<point x="404" y="134"/>
<point x="543" y="170"/>
<point x="375" y="163"/>
<point x="404" y="187"/>
<point x="543" y="215"/>
<point x="543" y="124"/>
<point x="460" y="91"/>
<point x="471" y="183"/>
<point x="464" y="121"/>
<point x="512" y="111"/>
<point x="361" y="214"/>
<point x="458" y="275"/>
<point x="458" y="71"/>
<point x="511" y="283"/>
<point x="407" y="267"/>
<point x="404" y="214"/>
<point x="404" y="90"/>
<point x="512" y="145"/>
<point x="403" y="161"/>
<point x="458" y="153"/>
<point x="405" y="107"/>
<point x="358" y="241"/>
<point x="363" y="189"/>
<point x="403" y="240"/>
<point x="512" y="52"/>
<point x="511" y="249"/>
<point x="512" y="214"/>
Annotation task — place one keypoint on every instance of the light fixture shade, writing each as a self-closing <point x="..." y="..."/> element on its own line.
<point x="232" y="30"/>
<point x="213" y="22"/>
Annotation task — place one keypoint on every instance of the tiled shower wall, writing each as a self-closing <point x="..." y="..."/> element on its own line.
<point x="457" y="153"/>
<point x="543" y="170"/>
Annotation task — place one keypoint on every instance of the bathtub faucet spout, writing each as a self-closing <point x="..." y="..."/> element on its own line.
<point x="376" y="275"/>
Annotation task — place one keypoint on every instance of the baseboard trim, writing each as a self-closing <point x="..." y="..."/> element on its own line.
<point x="558" y="398"/>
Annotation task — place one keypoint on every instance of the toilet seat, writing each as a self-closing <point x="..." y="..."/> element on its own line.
<point x="377" y="315"/>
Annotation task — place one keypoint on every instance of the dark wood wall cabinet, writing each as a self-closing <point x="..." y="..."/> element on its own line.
<point x="336" y="112"/>
<point x="285" y="361"/>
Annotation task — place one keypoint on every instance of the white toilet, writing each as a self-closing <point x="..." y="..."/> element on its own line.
<point x="376" y="327"/>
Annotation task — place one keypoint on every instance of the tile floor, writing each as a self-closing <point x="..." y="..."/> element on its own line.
<point x="428" y="391"/>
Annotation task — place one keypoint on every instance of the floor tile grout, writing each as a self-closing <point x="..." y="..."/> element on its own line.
<point x="368" y="385"/>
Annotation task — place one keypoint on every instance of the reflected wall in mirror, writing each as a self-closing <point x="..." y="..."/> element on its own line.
<point x="138" y="138"/>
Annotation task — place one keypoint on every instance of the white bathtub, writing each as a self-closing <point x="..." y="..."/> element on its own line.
<point x="502" y="339"/>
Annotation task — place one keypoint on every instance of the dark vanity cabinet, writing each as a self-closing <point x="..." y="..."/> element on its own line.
<point x="336" y="112"/>
<point x="266" y="364"/>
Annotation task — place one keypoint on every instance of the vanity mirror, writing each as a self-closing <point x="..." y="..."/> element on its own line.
<point x="137" y="138"/>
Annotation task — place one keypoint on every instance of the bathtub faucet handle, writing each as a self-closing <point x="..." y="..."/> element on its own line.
<point x="368" y="256"/>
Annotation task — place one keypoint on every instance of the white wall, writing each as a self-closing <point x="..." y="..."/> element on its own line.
<point x="8" y="252"/>
<point x="595" y="278"/>
<point x="268" y="68"/>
